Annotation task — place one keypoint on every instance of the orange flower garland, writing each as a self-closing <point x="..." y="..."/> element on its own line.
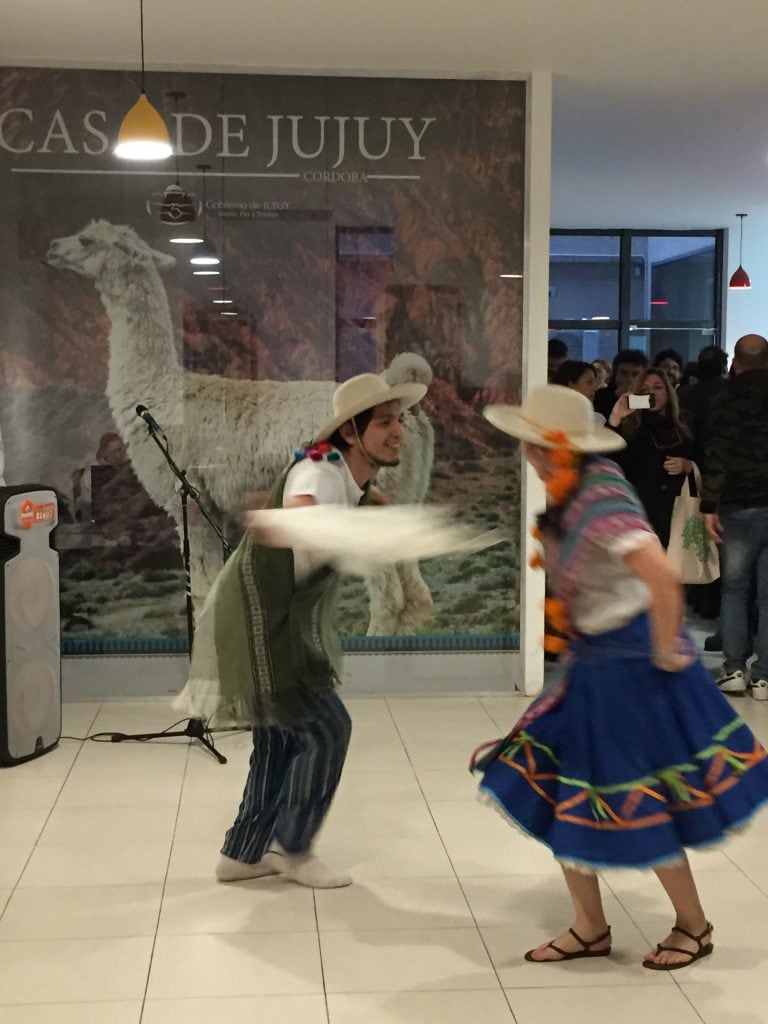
<point x="565" y="460"/>
<point x="561" y="483"/>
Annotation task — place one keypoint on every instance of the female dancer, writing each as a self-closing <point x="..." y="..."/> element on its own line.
<point x="632" y="753"/>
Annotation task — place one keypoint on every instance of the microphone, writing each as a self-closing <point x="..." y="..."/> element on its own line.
<point x="149" y="419"/>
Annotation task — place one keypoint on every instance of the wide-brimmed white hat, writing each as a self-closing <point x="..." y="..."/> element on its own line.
<point x="555" y="409"/>
<point x="365" y="391"/>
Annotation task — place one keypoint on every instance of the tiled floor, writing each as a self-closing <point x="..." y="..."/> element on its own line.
<point x="111" y="915"/>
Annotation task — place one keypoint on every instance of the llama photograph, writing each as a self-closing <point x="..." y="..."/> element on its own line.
<point x="399" y="275"/>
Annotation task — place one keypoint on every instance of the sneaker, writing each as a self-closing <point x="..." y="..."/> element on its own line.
<point x="759" y="689"/>
<point x="732" y="681"/>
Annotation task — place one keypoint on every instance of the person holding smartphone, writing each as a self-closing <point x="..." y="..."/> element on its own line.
<point x="660" y="448"/>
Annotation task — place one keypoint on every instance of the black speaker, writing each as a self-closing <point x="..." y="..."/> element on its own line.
<point x="30" y="656"/>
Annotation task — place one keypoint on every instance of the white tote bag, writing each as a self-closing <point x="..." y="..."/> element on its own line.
<point x="691" y="550"/>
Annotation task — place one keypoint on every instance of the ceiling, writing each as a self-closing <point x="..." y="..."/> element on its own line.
<point x="672" y="92"/>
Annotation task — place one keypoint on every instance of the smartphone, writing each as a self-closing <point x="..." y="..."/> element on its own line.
<point x="642" y="401"/>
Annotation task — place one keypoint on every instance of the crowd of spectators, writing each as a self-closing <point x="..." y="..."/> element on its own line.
<point x="677" y="417"/>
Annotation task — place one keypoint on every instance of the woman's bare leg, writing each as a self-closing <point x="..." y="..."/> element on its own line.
<point x="681" y="888"/>
<point x="589" y="917"/>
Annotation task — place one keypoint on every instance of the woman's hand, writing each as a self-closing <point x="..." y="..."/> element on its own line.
<point x="674" y="465"/>
<point x="620" y="411"/>
<point x="671" y="661"/>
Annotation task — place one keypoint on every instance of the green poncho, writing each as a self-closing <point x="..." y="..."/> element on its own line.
<point x="265" y="648"/>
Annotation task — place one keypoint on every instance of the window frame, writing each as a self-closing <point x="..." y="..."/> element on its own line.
<point x="625" y="325"/>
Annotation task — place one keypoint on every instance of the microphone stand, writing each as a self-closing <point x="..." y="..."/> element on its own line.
<point x="196" y="728"/>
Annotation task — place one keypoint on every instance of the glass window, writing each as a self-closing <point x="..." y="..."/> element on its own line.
<point x="649" y="290"/>
<point x="584" y="277"/>
<point x="672" y="277"/>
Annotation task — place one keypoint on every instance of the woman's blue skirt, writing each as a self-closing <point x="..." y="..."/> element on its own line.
<point x="633" y="764"/>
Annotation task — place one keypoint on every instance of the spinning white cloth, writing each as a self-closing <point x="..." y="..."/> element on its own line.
<point x="360" y="540"/>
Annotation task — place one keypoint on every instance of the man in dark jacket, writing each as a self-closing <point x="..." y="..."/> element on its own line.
<point x="696" y="399"/>
<point x="734" y="500"/>
<point x="627" y="367"/>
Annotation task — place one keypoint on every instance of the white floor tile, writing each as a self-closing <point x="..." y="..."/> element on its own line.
<point x="73" y="825"/>
<point x="480" y="842"/>
<point x="73" y="1013"/>
<point x="369" y="857"/>
<point x="27" y="792"/>
<point x="375" y="819"/>
<point x="376" y="757"/>
<point x="12" y="861"/>
<point x="420" y="1008"/>
<point x="394" y="903"/>
<point x="358" y="788"/>
<point x="447" y="785"/>
<point x="206" y="823"/>
<point x="235" y="965"/>
<point x="127" y="864"/>
<point x="74" y="970"/>
<point x="136" y="716"/>
<point x="82" y="913"/>
<point x="136" y="758"/>
<point x="626" y="1005"/>
<point x="747" y="849"/>
<point x="120" y="791"/>
<point x="431" y="754"/>
<point x="78" y="717"/>
<point x="224" y="786"/>
<point x="237" y="1010"/>
<point x="260" y="905"/>
<point x="522" y="901"/>
<point x="53" y="765"/>
<point x="720" y="1002"/>
<point x="759" y="877"/>
<point x="401" y="961"/>
<point x="193" y="862"/>
<point x="21" y="827"/>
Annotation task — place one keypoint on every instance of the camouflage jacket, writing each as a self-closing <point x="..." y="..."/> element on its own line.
<point x="735" y="471"/>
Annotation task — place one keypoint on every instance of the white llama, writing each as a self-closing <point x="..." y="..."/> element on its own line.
<point x="233" y="436"/>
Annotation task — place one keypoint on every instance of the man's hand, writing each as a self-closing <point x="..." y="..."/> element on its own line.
<point x="713" y="526"/>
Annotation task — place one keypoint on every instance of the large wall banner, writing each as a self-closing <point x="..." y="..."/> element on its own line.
<point x="362" y="224"/>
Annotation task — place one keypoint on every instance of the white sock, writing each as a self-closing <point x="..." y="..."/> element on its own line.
<point x="229" y="870"/>
<point x="307" y="869"/>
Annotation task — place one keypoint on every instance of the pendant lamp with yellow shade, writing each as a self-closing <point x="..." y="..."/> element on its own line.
<point x="143" y="134"/>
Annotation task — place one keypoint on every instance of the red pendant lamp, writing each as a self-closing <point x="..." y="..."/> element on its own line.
<point x="740" y="278"/>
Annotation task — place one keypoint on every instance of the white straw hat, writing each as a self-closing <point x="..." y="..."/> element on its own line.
<point x="555" y="409"/>
<point x="366" y="391"/>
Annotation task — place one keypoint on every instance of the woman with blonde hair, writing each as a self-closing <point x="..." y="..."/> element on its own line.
<point x="660" y="447"/>
<point x="631" y="754"/>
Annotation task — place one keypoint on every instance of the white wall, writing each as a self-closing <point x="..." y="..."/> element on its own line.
<point x="624" y="158"/>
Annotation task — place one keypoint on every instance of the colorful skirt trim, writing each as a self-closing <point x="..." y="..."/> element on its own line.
<point x="634" y="764"/>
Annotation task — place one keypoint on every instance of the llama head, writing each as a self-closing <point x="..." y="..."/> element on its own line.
<point x="103" y="250"/>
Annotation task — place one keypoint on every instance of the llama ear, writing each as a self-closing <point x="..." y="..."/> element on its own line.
<point x="162" y="260"/>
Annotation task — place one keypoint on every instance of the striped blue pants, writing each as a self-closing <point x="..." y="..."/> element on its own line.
<point x="291" y="782"/>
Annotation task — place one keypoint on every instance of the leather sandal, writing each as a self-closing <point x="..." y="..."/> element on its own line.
<point x="578" y="955"/>
<point x="703" y="950"/>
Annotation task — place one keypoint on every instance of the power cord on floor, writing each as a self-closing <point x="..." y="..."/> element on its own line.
<point x="119" y="737"/>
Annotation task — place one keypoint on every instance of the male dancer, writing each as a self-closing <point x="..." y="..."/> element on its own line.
<point x="268" y="653"/>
